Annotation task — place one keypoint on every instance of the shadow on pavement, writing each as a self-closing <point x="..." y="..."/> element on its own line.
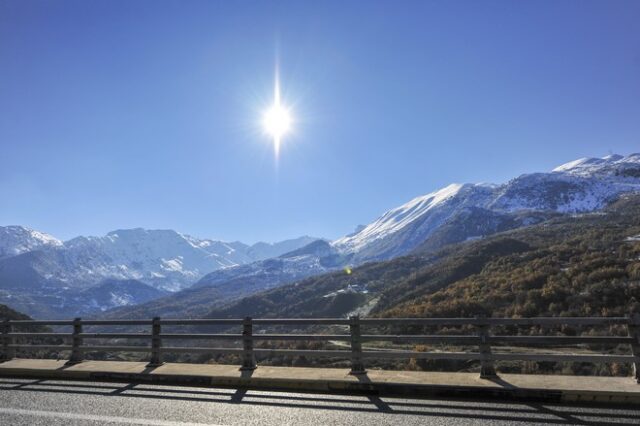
<point x="527" y="413"/>
<point x="375" y="400"/>
<point x="500" y="382"/>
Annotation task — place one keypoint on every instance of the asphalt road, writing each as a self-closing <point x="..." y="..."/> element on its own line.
<point x="29" y="402"/>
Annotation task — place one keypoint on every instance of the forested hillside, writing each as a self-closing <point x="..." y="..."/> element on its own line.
<point x="582" y="266"/>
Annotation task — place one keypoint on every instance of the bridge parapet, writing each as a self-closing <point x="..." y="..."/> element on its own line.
<point x="14" y="338"/>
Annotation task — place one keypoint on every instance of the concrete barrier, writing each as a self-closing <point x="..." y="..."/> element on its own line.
<point x="414" y="384"/>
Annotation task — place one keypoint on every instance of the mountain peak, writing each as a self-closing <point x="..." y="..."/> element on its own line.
<point x="16" y="239"/>
<point x="613" y="157"/>
<point x="590" y="165"/>
<point x="401" y="217"/>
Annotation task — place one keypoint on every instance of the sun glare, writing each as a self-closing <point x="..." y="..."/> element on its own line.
<point x="277" y="120"/>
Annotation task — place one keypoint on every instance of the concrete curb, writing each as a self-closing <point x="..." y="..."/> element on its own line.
<point x="320" y="385"/>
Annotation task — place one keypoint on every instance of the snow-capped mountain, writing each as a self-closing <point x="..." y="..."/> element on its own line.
<point x="313" y="259"/>
<point x="404" y="227"/>
<point x="15" y="240"/>
<point x="165" y="259"/>
<point x="579" y="186"/>
<point x="43" y="275"/>
<point x="613" y="164"/>
<point x="228" y="284"/>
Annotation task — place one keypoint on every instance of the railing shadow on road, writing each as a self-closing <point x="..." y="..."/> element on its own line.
<point x="527" y="413"/>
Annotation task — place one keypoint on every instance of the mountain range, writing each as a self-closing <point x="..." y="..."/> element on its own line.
<point x="202" y="274"/>
<point x="42" y="275"/>
<point x="583" y="185"/>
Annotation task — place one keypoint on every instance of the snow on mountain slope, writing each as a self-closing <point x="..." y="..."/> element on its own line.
<point x="45" y="275"/>
<point x="410" y="224"/>
<point x="15" y="240"/>
<point x="578" y="186"/>
<point x="396" y="219"/>
<point x="225" y="285"/>
<point x="163" y="258"/>
<point x="599" y="166"/>
<point x="585" y="163"/>
<point x="583" y="185"/>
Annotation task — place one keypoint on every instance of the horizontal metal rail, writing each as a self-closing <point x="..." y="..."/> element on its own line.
<point x="303" y="352"/>
<point x="538" y="321"/>
<point x="39" y="322"/>
<point x="310" y="337"/>
<point x="301" y="321"/>
<point x="565" y="358"/>
<point x="551" y="321"/>
<point x="202" y="336"/>
<point x="36" y="347"/>
<point x="423" y="355"/>
<point x="115" y="335"/>
<point x="116" y="322"/>
<point x="39" y="334"/>
<point x="105" y="348"/>
<point x="201" y="322"/>
<point x="420" y="338"/>
<point x="221" y="351"/>
<point x="562" y="340"/>
<point x="15" y="337"/>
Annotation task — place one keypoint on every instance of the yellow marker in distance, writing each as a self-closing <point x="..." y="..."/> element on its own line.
<point x="347" y="270"/>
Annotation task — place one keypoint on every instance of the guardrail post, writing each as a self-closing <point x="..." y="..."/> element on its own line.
<point x="357" y="366"/>
<point x="156" y="343"/>
<point x="487" y="369"/>
<point x="76" y="342"/>
<point x="633" y="329"/>
<point x="248" y="357"/>
<point x="8" y="353"/>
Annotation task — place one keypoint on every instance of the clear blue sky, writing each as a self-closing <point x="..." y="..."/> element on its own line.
<point x="117" y="114"/>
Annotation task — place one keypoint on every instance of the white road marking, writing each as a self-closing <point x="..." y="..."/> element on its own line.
<point x="93" y="417"/>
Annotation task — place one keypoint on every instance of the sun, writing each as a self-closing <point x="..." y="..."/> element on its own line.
<point x="277" y="121"/>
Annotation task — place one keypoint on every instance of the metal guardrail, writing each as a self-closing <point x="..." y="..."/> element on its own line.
<point x="483" y="339"/>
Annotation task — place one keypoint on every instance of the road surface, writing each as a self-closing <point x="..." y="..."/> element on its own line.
<point x="31" y="402"/>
